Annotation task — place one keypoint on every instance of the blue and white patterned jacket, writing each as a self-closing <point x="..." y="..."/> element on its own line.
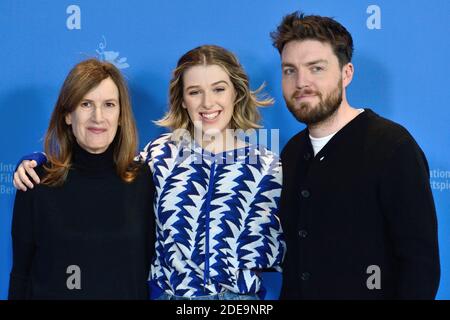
<point x="216" y="222"/>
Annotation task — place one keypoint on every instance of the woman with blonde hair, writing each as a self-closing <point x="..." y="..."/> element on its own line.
<point x="216" y="195"/>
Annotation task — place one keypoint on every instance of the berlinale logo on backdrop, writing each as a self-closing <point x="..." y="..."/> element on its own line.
<point x="73" y="22"/>
<point x="111" y="56"/>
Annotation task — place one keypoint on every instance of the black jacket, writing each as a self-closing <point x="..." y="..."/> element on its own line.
<point x="364" y="200"/>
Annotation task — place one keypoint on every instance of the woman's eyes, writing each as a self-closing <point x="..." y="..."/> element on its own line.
<point x="88" y="104"/>
<point x="196" y="92"/>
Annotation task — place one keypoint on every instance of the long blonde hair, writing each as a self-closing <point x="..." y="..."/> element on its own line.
<point x="245" y="115"/>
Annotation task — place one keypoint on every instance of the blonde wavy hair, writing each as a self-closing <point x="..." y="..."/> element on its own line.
<point x="245" y="116"/>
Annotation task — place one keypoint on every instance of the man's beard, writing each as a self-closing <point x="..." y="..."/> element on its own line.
<point x="314" y="114"/>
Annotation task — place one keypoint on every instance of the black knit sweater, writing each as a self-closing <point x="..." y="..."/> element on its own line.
<point x="364" y="200"/>
<point x="94" y="222"/>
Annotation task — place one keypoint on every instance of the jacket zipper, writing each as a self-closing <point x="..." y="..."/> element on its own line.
<point x="207" y="222"/>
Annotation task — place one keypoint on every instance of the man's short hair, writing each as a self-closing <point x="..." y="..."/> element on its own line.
<point x="297" y="26"/>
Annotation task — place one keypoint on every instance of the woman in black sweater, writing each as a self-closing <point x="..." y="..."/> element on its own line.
<point x="86" y="231"/>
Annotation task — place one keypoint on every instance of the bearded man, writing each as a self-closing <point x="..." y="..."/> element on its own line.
<point x="356" y="206"/>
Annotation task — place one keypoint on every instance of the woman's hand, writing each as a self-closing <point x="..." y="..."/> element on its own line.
<point x="21" y="179"/>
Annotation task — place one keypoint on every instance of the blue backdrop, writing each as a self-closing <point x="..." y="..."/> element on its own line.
<point x="401" y="62"/>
